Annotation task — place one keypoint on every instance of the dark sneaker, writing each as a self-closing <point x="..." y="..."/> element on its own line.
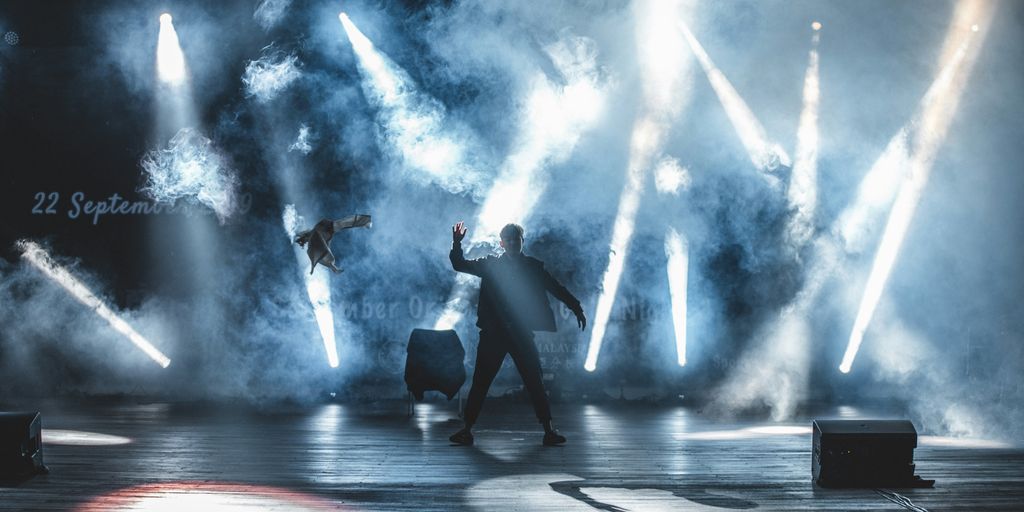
<point x="553" y="438"/>
<point x="463" y="437"/>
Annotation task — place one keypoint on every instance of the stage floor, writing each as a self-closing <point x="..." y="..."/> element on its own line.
<point x="619" y="457"/>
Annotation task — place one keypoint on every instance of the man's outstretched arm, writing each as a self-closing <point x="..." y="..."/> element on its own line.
<point x="459" y="261"/>
<point x="563" y="294"/>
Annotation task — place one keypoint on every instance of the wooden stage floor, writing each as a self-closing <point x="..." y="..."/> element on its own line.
<point x="186" y="457"/>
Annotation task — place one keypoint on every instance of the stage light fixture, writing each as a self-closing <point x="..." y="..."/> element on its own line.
<point x="169" y="58"/>
<point x="38" y="257"/>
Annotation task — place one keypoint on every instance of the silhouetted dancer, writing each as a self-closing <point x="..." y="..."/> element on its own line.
<point x="513" y="304"/>
<point x="319" y="239"/>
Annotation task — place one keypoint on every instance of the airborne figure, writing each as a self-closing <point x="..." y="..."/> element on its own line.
<point x="319" y="239"/>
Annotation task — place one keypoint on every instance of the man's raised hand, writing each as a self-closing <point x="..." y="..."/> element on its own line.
<point x="458" y="232"/>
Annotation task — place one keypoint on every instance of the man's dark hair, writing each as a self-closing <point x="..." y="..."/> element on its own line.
<point x="512" y="231"/>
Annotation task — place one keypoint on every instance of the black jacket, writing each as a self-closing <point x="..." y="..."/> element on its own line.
<point x="513" y="291"/>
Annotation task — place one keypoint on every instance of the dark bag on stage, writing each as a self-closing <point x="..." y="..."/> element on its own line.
<point x="434" y="362"/>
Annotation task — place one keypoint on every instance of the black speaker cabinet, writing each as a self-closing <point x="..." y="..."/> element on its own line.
<point x="21" y="444"/>
<point x="865" y="453"/>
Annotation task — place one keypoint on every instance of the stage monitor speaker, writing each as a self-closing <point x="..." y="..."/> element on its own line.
<point x="434" y="362"/>
<point x="865" y="453"/>
<point x="21" y="444"/>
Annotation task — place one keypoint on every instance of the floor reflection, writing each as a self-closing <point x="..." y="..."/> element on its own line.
<point x="745" y="433"/>
<point x="207" y="497"/>
<point x="961" y="442"/>
<point x="81" y="438"/>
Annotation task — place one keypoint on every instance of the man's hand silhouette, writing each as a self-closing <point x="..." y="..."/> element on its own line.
<point x="458" y="232"/>
<point x="581" y="319"/>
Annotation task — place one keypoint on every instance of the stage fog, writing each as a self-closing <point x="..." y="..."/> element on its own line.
<point x="760" y="205"/>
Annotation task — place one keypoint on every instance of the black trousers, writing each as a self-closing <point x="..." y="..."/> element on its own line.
<point x="490" y="354"/>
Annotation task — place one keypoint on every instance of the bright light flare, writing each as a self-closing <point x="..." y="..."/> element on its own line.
<point x="38" y="257"/>
<point x="678" y="262"/>
<point x="942" y="100"/>
<point x="170" y="61"/>
<point x="765" y="155"/>
<point x="803" y="185"/>
<point x="318" y="288"/>
<point x="412" y="124"/>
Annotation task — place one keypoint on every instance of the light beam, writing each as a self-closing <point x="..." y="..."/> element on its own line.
<point x="38" y="257"/>
<point x="803" y="184"/>
<point x="765" y="155"/>
<point x="962" y="44"/>
<point x="646" y="137"/>
<point x="678" y="263"/>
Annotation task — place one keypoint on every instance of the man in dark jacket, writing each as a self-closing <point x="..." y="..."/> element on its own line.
<point x="513" y="304"/>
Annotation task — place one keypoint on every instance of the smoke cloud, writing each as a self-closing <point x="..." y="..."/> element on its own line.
<point x="544" y="113"/>
<point x="303" y="142"/>
<point x="267" y="76"/>
<point x="190" y="168"/>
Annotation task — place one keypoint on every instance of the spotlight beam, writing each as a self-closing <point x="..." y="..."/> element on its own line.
<point x="678" y="262"/>
<point x="762" y="153"/>
<point x="803" y="187"/>
<point x="38" y="257"/>
<point x="413" y="122"/>
<point x="646" y="136"/>
<point x="848" y="233"/>
<point x="942" y="100"/>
